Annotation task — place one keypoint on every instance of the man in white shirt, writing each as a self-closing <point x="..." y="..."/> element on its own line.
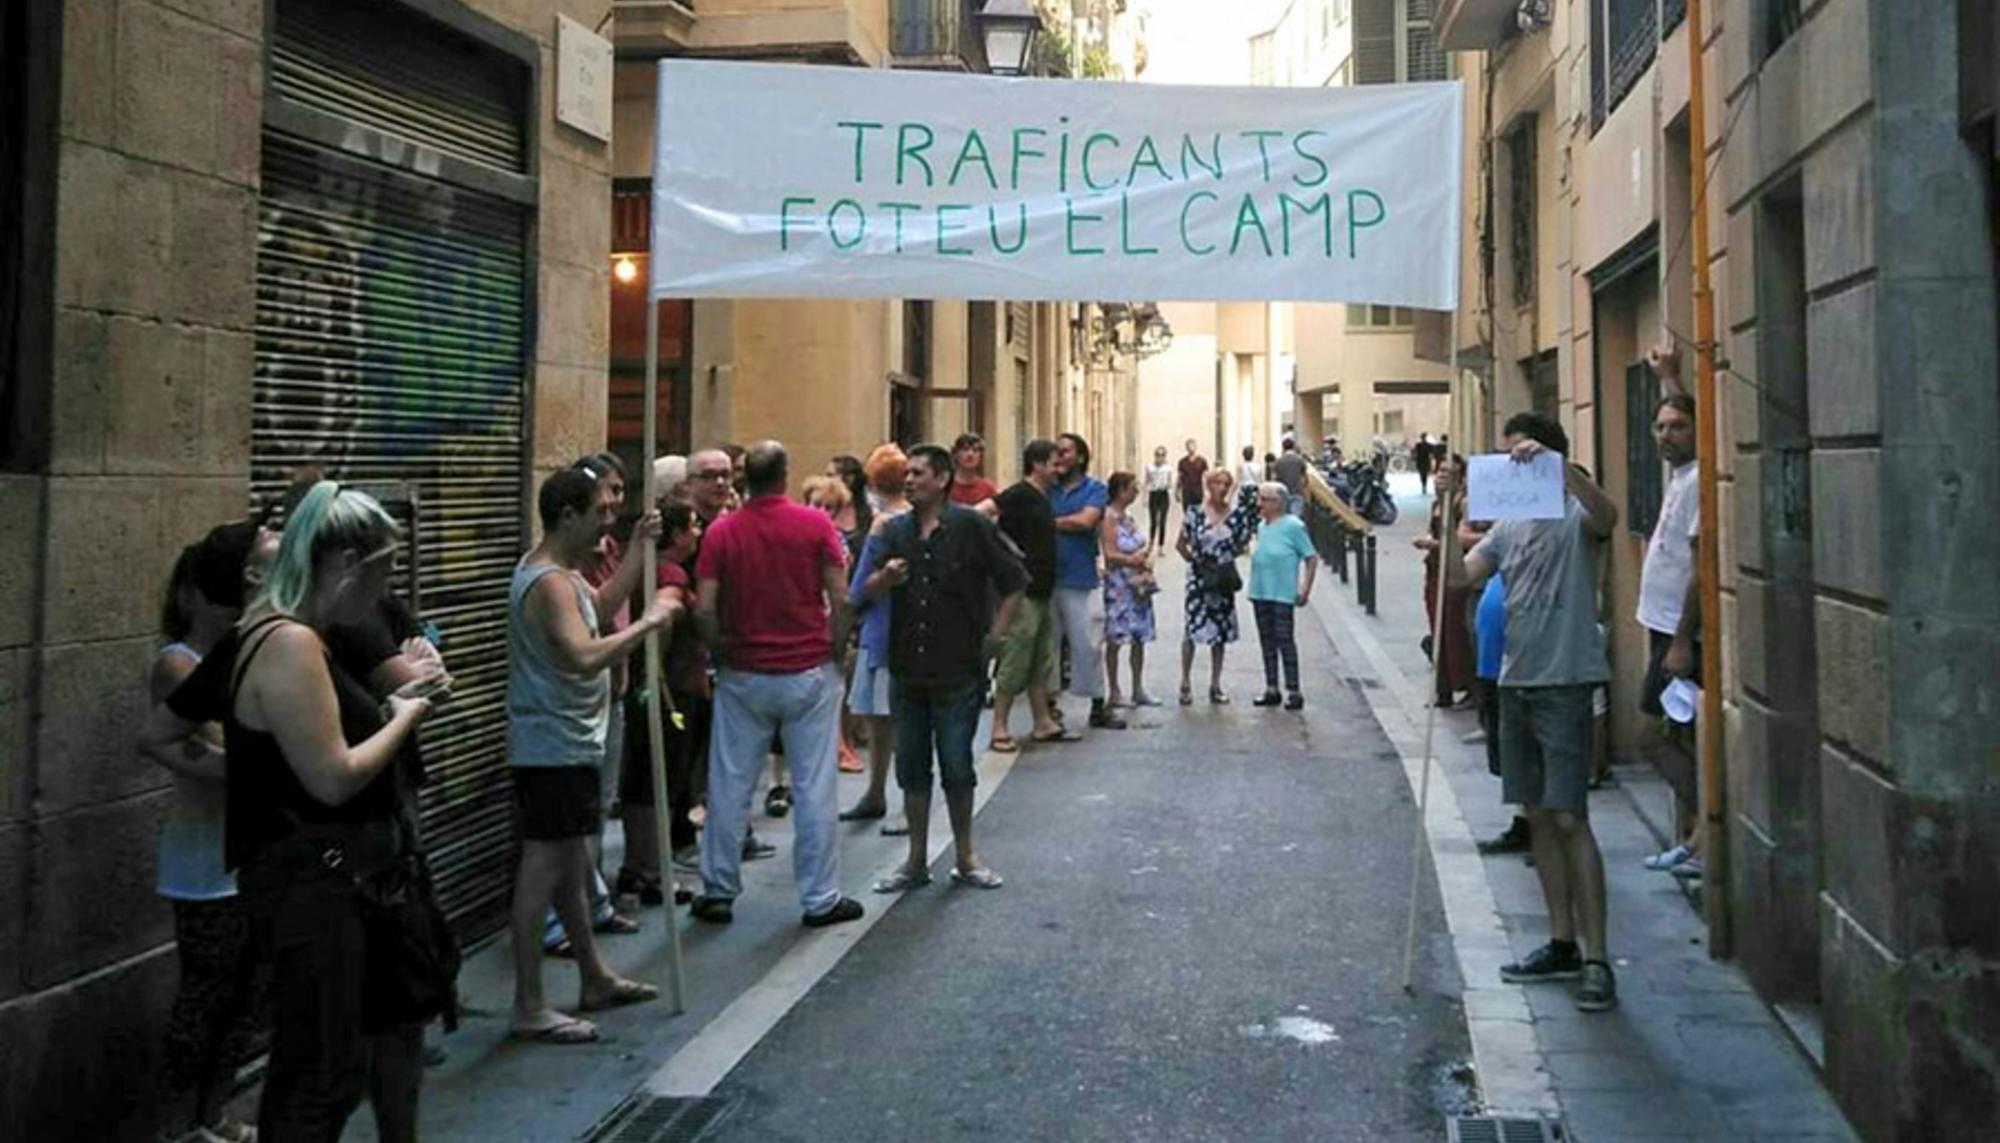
<point x="1670" y="598"/>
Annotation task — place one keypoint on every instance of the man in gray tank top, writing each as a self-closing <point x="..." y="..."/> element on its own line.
<point x="1553" y="664"/>
<point x="558" y="712"/>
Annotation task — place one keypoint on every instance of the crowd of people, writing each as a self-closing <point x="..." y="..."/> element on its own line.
<point x="860" y="619"/>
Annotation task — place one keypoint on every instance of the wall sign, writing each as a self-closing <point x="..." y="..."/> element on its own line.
<point x="583" y="79"/>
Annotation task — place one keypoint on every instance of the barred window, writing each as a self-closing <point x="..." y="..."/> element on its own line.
<point x="1521" y="212"/>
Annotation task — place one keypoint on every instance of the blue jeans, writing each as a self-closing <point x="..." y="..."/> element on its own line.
<point x="803" y="711"/>
<point x="937" y="721"/>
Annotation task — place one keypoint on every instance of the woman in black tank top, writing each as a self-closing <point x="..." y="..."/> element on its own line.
<point x="314" y="803"/>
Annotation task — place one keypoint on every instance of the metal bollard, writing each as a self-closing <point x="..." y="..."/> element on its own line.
<point x="1366" y="574"/>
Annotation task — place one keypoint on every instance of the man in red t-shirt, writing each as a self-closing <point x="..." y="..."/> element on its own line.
<point x="771" y="602"/>
<point x="969" y="485"/>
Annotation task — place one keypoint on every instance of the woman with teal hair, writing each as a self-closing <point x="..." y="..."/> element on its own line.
<point x="316" y="832"/>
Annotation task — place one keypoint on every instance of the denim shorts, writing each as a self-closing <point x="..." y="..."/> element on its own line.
<point x="1547" y="746"/>
<point x="937" y="722"/>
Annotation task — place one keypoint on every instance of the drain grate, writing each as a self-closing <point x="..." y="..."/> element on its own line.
<point x="662" y="1119"/>
<point x="1503" y="1129"/>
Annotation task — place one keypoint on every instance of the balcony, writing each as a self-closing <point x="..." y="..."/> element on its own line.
<point x="1475" y="25"/>
<point x="936" y="35"/>
<point x="819" y="31"/>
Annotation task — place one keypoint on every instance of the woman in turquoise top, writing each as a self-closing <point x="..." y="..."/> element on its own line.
<point x="1282" y="566"/>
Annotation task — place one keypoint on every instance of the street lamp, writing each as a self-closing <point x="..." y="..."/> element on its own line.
<point x="1009" y="28"/>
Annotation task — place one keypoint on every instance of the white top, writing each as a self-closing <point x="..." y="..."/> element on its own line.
<point x="190" y="863"/>
<point x="1663" y="581"/>
<point x="1250" y="474"/>
<point x="1159" y="478"/>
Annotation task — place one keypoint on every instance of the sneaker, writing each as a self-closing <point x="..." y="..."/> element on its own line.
<point x="1663" y="861"/>
<point x="1515" y="839"/>
<point x="714" y="910"/>
<point x="1295" y="701"/>
<point x="1689" y="870"/>
<point x="1268" y="698"/>
<point x="1599" y="990"/>
<point x="778" y="802"/>
<point x="1557" y="960"/>
<point x="844" y="910"/>
<point x="757" y="849"/>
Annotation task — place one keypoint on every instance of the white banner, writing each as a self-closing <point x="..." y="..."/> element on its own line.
<point x="778" y="180"/>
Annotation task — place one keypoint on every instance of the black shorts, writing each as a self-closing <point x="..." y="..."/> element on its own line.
<point x="684" y="751"/>
<point x="1657" y="679"/>
<point x="558" y="802"/>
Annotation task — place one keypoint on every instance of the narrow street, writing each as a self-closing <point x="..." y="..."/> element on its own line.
<point x="1200" y="939"/>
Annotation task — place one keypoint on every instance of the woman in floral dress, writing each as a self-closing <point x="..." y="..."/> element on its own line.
<point x="1217" y="530"/>
<point x="1128" y="588"/>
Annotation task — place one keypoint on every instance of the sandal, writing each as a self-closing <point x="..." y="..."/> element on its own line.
<point x="617" y="924"/>
<point x="778" y="802"/>
<point x="567" y="1032"/>
<point x="1003" y="744"/>
<point x="561" y="950"/>
<point x="622" y="993"/>
<point x="899" y="826"/>
<point x="1187" y="696"/>
<point x="863" y="812"/>
<point x="1216" y="697"/>
<point x="1062" y="734"/>
<point x="980" y="878"/>
<point x="903" y="880"/>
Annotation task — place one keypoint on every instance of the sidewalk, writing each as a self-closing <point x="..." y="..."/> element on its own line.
<point x="741" y="978"/>
<point x="1691" y="1053"/>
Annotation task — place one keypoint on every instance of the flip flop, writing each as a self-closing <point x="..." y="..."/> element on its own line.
<point x="899" y="826"/>
<point x="1003" y="744"/>
<point x="903" y="880"/>
<point x="980" y="878"/>
<point x="623" y="993"/>
<point x="567" y="1032"/>
<point x="617" y="924"/>
<point x="1063" y="735"/>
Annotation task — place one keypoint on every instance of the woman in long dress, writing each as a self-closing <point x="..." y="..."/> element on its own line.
<point x="1217" y="531"/>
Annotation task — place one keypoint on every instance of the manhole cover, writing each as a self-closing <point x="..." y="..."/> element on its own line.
<point x="1502" y="1129"/>
<point x="662" y="1119"/>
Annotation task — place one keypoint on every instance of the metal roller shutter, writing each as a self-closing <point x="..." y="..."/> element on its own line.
<point x="392" y="331"/>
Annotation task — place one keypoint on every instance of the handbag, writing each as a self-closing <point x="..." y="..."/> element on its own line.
<point x="410" y="965"/>
<point x="1220" y="577"/>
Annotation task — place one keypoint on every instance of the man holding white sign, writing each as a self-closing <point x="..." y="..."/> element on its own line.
<point x="1553" y="663"/>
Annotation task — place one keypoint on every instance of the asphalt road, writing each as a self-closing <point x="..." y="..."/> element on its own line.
<point x="1200" y="939"/>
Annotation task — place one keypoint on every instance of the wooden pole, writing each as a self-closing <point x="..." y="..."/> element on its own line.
<point x="1708" y="437"/>
<point x="1445" y="525"/>
<point x="654" y="681"/>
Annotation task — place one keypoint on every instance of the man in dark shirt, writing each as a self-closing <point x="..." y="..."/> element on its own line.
<point x="942" y="564"/>
<point x="1028" y="652"/>
<point x="1291" y="472"/>
<point x="1193" y="469"/>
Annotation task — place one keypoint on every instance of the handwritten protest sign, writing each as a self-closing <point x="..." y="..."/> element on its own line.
<point x="795" y="181"/>
<point x="1499" y="488"/>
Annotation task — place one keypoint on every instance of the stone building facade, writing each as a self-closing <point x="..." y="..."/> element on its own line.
<point x="1852" y="226"/>
<point x="173" y="158"/>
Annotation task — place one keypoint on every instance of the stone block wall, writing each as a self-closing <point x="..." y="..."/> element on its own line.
<point x="148" y="446"/>
<point x="1864" y="806"/>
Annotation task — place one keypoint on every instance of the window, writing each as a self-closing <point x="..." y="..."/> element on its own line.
<point x="1421" y="60"/>
<point x="917" y="342"/>
<point x="1781" y="19"/>
<point x="1325" y="21"/>
<point x="1380" y="317"/>
<point x="28" y="127"/>
<point x="1624" y="37"/>
<point x="1521" y="210"/>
